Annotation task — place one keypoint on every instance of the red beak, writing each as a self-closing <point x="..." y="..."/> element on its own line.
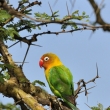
<point x="41" y="63"/>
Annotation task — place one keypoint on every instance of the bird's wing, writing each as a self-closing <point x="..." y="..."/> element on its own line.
<point x="61" y="79"/>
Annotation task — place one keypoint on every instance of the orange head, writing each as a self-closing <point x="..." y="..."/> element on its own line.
<point x="49" y="60"/>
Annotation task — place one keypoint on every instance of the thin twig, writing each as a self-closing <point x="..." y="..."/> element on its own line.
<point x="87" y="89"/>
<point x="84" y="84"/>
<point x="13" y="44"/>
<point x="72" y="4"/>
<point x="88" y="106"/>
<point x="25" y="55"/>
<point x="50" y="8"/>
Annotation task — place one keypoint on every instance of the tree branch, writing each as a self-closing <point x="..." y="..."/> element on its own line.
<point x="14" y="70"/>
<point x="97" y="12"/>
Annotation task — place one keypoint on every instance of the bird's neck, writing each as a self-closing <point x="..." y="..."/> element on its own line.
<point x="52" y="65"/>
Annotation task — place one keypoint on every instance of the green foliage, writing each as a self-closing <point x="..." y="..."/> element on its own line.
<point x="38" y="82"/>
<point x="5" y="66"/>
<point x="11" y="29"/>
<point x="4" y="73"/>
<point x="108" y="108"/>
<point x="28" y="25"/>
<point x="55" y="14"/>
<point x="4" y="16"/>
<point x="75" y="16"/>
<point x="3" y="34"/>
<point x="3" y="77"/>
<point x="28" y="11"/>
<point x="99" y="107"/>
<point x="67" y="20"/>
<point x="23" y="1"/>
<point x="73" y="25"/>
<point x="9" y="106"/>
<point x="11" y="32"/>
<point x="42" y="16"/>
<point x="7" y="33"/>
<point x="45" y="16"/>
<point x="42" y="84"/>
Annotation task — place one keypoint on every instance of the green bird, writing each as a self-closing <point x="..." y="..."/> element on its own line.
<point x="59" y="78"/>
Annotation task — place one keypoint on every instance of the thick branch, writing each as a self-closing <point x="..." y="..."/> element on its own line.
<point x="14" y="70"/>
<point x="12" y="90"/>
<point x="17" y="87"/>
<point x="97" y="12"/>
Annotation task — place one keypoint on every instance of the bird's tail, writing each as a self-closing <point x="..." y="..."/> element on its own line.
<point x="73" y="107"/>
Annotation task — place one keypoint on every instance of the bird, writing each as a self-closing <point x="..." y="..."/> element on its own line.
<point x="59" y="78"/>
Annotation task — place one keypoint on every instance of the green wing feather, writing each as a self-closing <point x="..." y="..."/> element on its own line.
<point x="60" y="81"/>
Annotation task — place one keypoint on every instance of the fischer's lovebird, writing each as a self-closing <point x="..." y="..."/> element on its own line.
<point x="59" y="78"/>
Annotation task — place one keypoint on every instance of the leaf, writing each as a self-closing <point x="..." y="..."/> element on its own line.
<point x="28" y="12"/>
<point x="9" y="106"/>
<point x="75" y="12"/>
<point x="1" y="78"/>
<point x="83" y="13"/>
<point x="2" y="65"/>
<point x="8" y="66"/>
<point x="95" y="108"/>
<point x="39" y="27"/>
<point x="6" y="75"/>
<point x="55" y="14"/>
<point x="100" y="106"/>
<point x="42" y="16"/>
<point x="8" y="33"/>
<point x="64" y="26"/>
<point x="4" y="15"/>
<point x="108" y="108"/>
<point x="87" y="20"/>
<point x="3" y="34"/>
<point x="12" y="32"/>
<point x="37" y="14"/>
<point x="74" y="25"/>
<point x="38" y="82"/>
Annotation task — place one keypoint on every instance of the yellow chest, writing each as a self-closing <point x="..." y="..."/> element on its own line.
<point x="46" y="74"/>
<point x="56" y="63"/>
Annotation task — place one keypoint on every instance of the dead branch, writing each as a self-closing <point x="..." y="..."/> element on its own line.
<point x="97" y="11"/>
<point x="82" y="84"/>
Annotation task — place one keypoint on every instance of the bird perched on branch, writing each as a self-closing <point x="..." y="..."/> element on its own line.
<point x="59" y="78"/>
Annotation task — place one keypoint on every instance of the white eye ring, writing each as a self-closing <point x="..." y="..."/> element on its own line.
<point x="46" y="58"/>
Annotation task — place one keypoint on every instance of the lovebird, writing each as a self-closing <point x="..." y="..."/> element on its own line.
<point x="59" y="78"/>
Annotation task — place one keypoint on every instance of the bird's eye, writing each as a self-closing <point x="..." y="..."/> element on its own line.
<point x="46" y="58"/>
